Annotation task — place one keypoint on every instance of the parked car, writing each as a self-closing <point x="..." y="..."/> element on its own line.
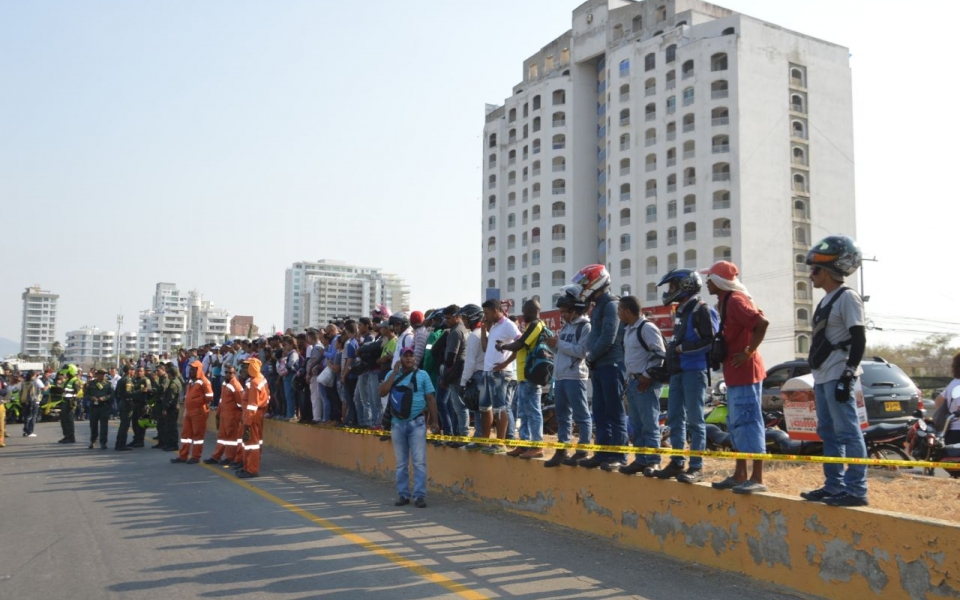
<point x="889" y="394"/>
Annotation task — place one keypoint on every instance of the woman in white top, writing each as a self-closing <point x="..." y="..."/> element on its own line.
<point x="953" y="434"/>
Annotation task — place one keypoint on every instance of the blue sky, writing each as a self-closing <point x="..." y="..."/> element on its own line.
<point x="214" y="143"/>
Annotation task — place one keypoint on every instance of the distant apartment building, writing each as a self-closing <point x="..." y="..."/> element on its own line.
<point x="89" y="346"/>
<point x="318" y="292"/>
<point x="242" y="326"/>
<point x="38" y="327"/>
<point x="176" y="320"/>
<point x="672" y="133"/>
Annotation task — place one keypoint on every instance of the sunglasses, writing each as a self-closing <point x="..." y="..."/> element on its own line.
<point x="815" y="270"/>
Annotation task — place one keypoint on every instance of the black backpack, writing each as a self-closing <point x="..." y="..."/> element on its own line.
<point x="539" y="366"/>
<point x="657" y="373"/>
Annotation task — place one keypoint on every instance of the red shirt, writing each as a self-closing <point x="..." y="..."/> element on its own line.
<point x="740" y="319"/>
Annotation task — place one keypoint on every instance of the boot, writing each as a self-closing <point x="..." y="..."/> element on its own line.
<point x="574" y="460"/>
<point x="557" y="459"/>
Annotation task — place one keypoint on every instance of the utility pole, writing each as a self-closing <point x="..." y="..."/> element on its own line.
<point x="119" y="337"/>
<point x="863" y="260"/>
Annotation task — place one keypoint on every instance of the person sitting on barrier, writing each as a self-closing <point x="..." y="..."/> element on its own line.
<point x="742" y="329"/>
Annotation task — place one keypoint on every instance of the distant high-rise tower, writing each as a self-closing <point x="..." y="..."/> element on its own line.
<point x="39" y="326"/>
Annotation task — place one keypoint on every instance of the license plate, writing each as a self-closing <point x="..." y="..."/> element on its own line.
<point x="891" y="406"/>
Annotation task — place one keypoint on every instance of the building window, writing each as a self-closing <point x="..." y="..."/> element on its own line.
<point x="625" y="141"/>
<point x="690" y="259"/>
<point x="512" y="115"/>
<point x="650" y="87"/>
<point x="689" y="204"/>
<point x="650" y="112"/>
<point x="625" y="116"/>
<point x="720" y="144"/>
<point x="671" y="53"/>
<point x="493" y="140"/>
<point x="799" y="130"/>
<point x="536" y="102"/>
<point x="719" y="116"/>
<point x="624" y="242"/>
<point x="651" y="188"/>
<point x="718" y="62"/>
<point x="511" y="220"/>
<point x="721" y="172"/>
<point x="559" y="97"/>
<point x="671" y="105"/>
<point x="800" y="183"/>
<point x="721" y="228"/>
<point x="688" y="96"/>
<point x="511" y="263"/>
<point x="671" y="80"/>
<point x="624" y="92"/>
<point x="535" y="280"/>
<point x="797" y="77"/>
<point x="650" y="62"/>
<point x="536" y="148"/>
<point x="624" y="166"/>
<point x="651" y="163"/>
<point x="559" y="142"/>
<point x="651" y="239"/>
<point x="558" y="255"/>
<point x="729" y="31"/>
<point x="624" y="217"/>
<point x="689" y="232"/>
<point x="625" y="192"/>
<point x="491" y="265"/>
<point x="625" y="267"/>
<point x="559" y="232"/>
<point x="625" y="67"/>
<point x="559" y="119"/>
<point x="661" y="14"/>
<point x="719" y="89"/>
<point x="721" y="199"/>
<point x="722" y="253"/>
<point x="637" y="24"/>
<point x="686" y="71"/>
<point x="688" y="123"/>
<point x="511" y="284"/>
<point x="651" y="213"/>
<point x="559" y="186"/>
<point x="492" y="223"/>
<point x="803" y="292"/>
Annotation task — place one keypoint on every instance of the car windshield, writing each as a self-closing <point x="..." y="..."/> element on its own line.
<point x="884" y="375"/>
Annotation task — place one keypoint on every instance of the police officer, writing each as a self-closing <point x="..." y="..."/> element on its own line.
<point x="68" y="393"/>
<point x="124" y="407"/>
<point x="160" y="383"/>
<point x="171" y="409"/>
<point x="97" y="392"/>
<point x="141" y="391"/>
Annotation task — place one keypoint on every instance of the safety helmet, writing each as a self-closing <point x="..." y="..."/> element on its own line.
<point x="380" y="311"/>
<point x="836" y="253"/>
<point x="471" y="314"/>
<point x="400" y="319"/>
<point x="591" y="279"/>
<point x="688" y="284"/>
<point x="70" y="370"/>
<point x="569" y="298"/>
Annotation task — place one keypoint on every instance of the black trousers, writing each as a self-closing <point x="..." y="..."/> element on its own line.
<point x="168" y="434"/>
<point x="67" y="419"/>
<point x="99" y="419"/>
<point x="139" y="408"/>
<point x="125" y="407"/>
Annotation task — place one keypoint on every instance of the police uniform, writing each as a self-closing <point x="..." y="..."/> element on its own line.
<point x="69" y="396"/>
<point x="125" y="408"/>
<point x="141" y="389"/>
<point x="160" y="383"/>
<point x="171" y="409"/>
<point x="97" y="392"/>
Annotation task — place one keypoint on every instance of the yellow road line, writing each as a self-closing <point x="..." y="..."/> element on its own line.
<point x="370" y="546"/>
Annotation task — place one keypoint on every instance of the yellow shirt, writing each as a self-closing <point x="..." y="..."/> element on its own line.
<point x="530" y="336"/>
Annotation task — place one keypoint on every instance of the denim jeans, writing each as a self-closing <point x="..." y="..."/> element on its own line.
<point x="493" y="392"/>
<point x="30" y="412"/>
<point x="531" y="413"/>
<point x="608" y="413"/>
<point x="460" y="412"/>
<point x="288" y="394"/>
<point x="744" y="418"/>
<point x="410" y="443"/>
<point x="839" y="428"/>
<point x="445" y="411"/>
<point x="324" y="403"/>
<point x="349" y="390"/>
<point x="570" y="400"/>
<point x="688" y="393"/>
<point x="645" y="419"/>
<point x="217" y="383"/>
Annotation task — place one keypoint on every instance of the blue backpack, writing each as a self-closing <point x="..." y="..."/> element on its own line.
<point x="539" y="366"/>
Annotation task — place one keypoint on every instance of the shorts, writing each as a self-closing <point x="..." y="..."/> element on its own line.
<point x="493" y="391"/>
<point x="744" y="419"/>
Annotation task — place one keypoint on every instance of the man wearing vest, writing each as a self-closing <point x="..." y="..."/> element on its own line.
<point x="839" y="340"/>
<point x="68" y="394"/>
<point x="605" y="360"/>
<point x="643" y="349"/>
<point x="528" y="392"/>
<point x="742" y="329"/>
<point x="692" y="339"/>
<point x="98" y="392"/>
<point x="230" y="411"/>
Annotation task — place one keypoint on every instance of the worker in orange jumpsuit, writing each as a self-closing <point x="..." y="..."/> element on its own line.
<point x="230" y="412"/>
<point x="258" y="398"/>
<point x="199" y="395"/>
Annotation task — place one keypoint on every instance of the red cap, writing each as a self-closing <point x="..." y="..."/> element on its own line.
<point x="416" y="317"/>
<point x="722" y="269"/>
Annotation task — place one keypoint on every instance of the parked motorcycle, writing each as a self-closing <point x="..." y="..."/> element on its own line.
<point x="925" y="443"/>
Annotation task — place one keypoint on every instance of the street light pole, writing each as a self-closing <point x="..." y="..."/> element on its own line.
<point x="863" y="260"/>
<point x="120" y="337"/>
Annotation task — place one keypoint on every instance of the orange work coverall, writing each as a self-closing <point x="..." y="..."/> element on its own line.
<point x="258" y="398"/>
<point x="230" y="411"/>
<point x="199" y="395"/>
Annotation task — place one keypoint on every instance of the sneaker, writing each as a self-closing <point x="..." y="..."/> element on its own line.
<point x="817" y="495"/>
<point x="495" y="449"/>
<point x="24" y="434"/>
<point x="211" y="461"/>
<point x="574" y="459"/>
<point x="32" y="435"/>
<point x="532" y="453"/>
<point x="192" y="461"/>
<point x="177" y="460"/>
<point x="633" y="468"/>
<point x="690" y="476"/>
<point x="557" y="459"/>
<point x="247" y="475"/>
<point x="90" y="447"/>
<point x="671" y="471"/>
<point x="473" y="447"/>
<point x="611" y="466"/>
<point x="420" y="503"/>
<point x="845" y="499"/>
<point x="517" y="451"/>
<point x="749" y="487"/>
<point x="727" y="484"/>
<point x="591" y="463"/>
<point x="402" y="501"/>
<point x="650" y="471"/>
<point x="454" y="445"/>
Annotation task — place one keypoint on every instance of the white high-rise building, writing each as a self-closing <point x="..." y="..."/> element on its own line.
<point x="317" y="292"/>
<point x="176" y="321"/>
<point x="90" y="346"/>
<point x="662" y="134"/>
<point x="38" y="328"/>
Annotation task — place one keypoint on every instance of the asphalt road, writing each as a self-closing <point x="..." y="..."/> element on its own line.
<point x="92" y="524"/>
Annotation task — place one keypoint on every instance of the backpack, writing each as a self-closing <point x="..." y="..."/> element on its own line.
<point x="401" y="397"/>
<point x="539" y="366"/>
<point x="657" y="373"/>
<point x="367" y="355"/>
<point x="820" y="347"/>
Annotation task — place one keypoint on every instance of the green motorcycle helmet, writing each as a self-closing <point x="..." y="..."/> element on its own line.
<point x="70" y="370"/>
<point x="146" y="423"/>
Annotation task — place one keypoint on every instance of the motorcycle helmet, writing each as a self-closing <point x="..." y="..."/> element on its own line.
<point x="471" y="314"/>
<point x="591" y="280"/>
<point x="838" y="254"/>
<point x="570" y="299"/>
<point x="399" y="319"/>
<point x="688" y="285"/>
<point x="70" y="370"/>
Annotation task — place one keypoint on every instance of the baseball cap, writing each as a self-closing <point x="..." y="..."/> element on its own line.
<point x="406" y="350"/>
<point x="723" y="269"/>
<point x="416" y="317"/>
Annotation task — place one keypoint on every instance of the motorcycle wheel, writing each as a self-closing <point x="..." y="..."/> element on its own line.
<point x="887" y="452"/>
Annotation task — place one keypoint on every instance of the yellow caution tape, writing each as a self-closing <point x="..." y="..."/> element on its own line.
<point x="798" y="458"/>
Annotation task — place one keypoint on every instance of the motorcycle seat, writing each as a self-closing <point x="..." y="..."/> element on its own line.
<point x="952" y="451"/>
<point x="882" y="430"/>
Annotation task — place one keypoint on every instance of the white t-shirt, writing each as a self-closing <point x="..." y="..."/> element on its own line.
<point x="505" y="331"/>
<point x="845" y="313"/>
<point x="404" y="340"/>
<point x="952" y="405"/>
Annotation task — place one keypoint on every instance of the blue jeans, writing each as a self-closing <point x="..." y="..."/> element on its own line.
<point x="460" y="412"/>
<point x="368" y="411"/>
<point x="688" y="392"/>
<point x="493" y="392"/>
<point x="30" y="411"/>
<point x="445" y="411"/>
<point x="410" y="443"/>
<point x="570" y="398"/>
<point x="744" y="418"/>
<point x="289" y="396"/>
<point x="608" y="411"/>
<point x="531" y="413"/>
<point x="839" y="428"/>
<point x="217" y="383"/>
<point x="645" y="419"/>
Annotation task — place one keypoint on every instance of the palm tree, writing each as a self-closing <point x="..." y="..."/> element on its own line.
<point x="56" y="351"/>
